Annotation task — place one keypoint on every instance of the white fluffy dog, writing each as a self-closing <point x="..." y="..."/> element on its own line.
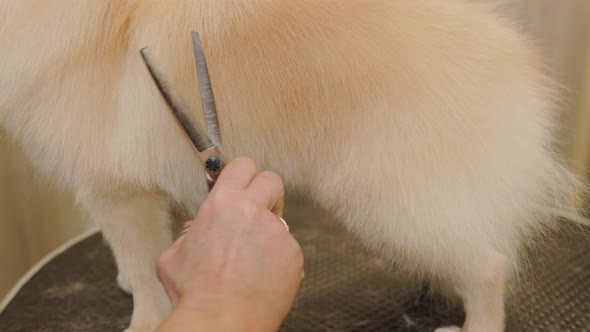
<point x="426" y="126"/>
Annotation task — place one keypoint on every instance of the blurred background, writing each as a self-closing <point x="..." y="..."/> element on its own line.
<point x="36" y="218"/>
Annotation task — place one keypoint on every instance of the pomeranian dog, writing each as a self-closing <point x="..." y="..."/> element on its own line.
<point x="426" y="126"/>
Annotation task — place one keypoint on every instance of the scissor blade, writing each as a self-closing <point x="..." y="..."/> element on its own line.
<point x="179" y="107"/>
<point x="206" y="90"/>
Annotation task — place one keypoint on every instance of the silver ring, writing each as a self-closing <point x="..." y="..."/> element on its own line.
<point x="284" y="223"/>
<point x="183" y="231"/>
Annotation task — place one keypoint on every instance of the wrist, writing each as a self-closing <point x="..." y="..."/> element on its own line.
<point x="216" y="317"/>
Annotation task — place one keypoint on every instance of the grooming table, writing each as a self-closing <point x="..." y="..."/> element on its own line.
<point x="345" y="289"/>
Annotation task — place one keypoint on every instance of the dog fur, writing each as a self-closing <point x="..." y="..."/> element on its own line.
<point x="426" y="126"/>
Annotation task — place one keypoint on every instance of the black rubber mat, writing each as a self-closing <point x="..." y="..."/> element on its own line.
<point x="345" y="289"/>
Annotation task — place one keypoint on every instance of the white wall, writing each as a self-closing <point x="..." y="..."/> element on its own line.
<point x="34" y="218"/>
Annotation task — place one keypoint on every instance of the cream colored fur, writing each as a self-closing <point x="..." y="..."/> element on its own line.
<point x="425" y="126"/>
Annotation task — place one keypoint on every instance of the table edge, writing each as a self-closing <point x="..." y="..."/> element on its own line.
<point x="12" y="292"/>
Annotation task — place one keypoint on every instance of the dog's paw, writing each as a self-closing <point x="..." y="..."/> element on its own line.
<point x="150" y="325"/>
<point x="123" y="284"/>
<point x="150" y="310"/>
<point x="448" y="329"/>
<point x="146" y="325"/>
<point x="141" y="329"/>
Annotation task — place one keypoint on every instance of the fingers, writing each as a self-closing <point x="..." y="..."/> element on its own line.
<point x="267" y="189"/>
<point x="237" y="174"/>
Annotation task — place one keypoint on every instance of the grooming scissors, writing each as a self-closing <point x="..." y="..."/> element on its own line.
<point x="208" y="146"/>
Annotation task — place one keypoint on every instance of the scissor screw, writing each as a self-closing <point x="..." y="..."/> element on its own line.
<point x="213" y="164"/>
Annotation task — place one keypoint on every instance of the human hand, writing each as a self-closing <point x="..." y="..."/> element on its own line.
<point x="237" y="266"/>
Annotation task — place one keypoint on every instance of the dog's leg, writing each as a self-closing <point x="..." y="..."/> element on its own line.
<point x="482" y="290"/>
<point x="137" y="227"/>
